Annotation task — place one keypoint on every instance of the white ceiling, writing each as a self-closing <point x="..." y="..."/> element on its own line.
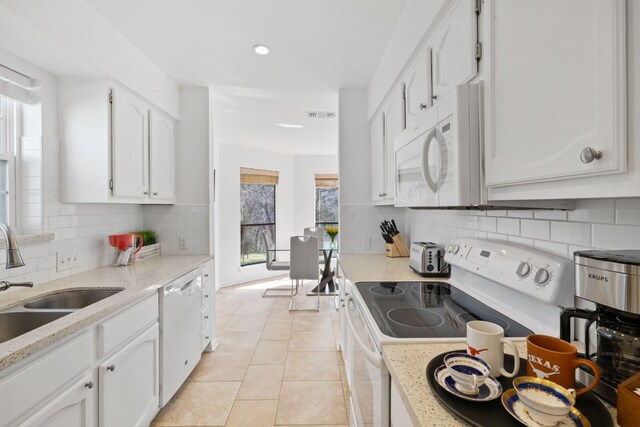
<point x="317" y="47"/>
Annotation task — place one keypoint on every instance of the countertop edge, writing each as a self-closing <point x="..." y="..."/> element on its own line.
<point x="23" y="346"/>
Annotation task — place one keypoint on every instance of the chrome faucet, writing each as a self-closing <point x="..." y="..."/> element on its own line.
<point x="14" y="259"/>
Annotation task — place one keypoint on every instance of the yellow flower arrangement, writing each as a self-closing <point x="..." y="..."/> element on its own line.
<point x="332" y="232"/>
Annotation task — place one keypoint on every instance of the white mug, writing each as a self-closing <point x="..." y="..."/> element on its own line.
<point x="485" y="340"/>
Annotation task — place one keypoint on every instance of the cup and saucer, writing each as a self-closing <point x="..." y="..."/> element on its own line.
<point x="468" y="377"/>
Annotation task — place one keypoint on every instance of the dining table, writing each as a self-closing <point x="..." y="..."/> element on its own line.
<point x="327" y="284"/>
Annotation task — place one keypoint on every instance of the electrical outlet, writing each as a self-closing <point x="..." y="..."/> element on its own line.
<point x="182" y="243"/>
<point x="66" y="260"/>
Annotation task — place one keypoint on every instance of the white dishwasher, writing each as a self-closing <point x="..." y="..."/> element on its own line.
<point x="180" y="345"/>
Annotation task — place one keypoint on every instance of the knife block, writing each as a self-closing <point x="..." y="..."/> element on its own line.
<point x="628" y="402"/>
<point x="392" y="250"/>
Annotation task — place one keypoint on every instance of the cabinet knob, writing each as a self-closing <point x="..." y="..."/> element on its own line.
<point x="111" y="367"/>
<point x="206" y="317"/>
<point x="206" y="275"/>
<point x="206" y="295"/>
<point x="423" y="106"/>
<point x="146" y="193"/>
<point x="434" y="97"/>
<point x="590" y="154"/>
<point x="155" y="194"/>
<point x="89" y="385"/>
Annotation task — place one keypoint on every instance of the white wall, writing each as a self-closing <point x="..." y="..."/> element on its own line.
<point x="73" y="32"/>
<point x="230" y="158"/>
<point x="410" y="29"/>
<point x="304" y="187"/>
<point x="192" y="148"/>
<point x="359" y="219"/>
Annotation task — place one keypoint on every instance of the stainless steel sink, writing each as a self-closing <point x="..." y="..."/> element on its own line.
<point x="72" y="299"/>
<point x="16" y="323"/>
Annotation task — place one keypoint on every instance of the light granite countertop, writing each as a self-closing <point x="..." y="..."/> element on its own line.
<point x="379" y="267"/>
<point x="139" y="280"/>
<point x="407" y="364"/>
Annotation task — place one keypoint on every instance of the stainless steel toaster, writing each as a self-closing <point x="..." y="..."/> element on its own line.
<point x="427" y="259"/>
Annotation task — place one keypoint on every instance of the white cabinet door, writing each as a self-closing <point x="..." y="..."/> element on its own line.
<point x="162" y="158"/>
<point x="129" y="146"/>
<point x="394" y="125"/>
<point x="399" y="415"/>
<point x="555" y="90"/>
<point x="377" y="158"/>
<point x="418" y="89"/>
<point x="453" y="47"/>
<point x="72" y="408"/>
<point x="129" y="394"/>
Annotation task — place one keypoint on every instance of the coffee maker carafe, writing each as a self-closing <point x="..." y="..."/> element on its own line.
<point x="611" y="280"/>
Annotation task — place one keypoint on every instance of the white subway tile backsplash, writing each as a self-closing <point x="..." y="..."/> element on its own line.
<point x="509" y="226"/>
<point x="521" y="240"/>
<point x="615" y="236"/>
<point x="577" y="233"/>
<point x="558" y="215"/>
<point x="552" y="247"/>
<point x="601" y="210"/>
<point x="534" y="229"/>
<point x="520" y="214"/>
<point x="628" y="211"/>
<point x="487" y="224"/>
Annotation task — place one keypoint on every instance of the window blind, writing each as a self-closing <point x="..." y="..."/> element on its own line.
<point x="14" y="85"/>
<point x="258" y="176"/>
<point x="326" y="180"/>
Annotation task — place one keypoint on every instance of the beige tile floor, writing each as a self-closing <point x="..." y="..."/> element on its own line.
<point x="272" y="367"/>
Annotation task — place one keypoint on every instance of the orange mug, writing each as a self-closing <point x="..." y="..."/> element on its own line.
<point x="556" y="360"/>
<point x="126" y="241"/>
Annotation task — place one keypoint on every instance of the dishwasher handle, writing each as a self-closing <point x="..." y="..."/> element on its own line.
<point x="372" y="356"/>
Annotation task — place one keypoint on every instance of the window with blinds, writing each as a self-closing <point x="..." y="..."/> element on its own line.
<point x="327" y="207"/>
<point x="257" y="213"/>
<point x="8" y="148"/>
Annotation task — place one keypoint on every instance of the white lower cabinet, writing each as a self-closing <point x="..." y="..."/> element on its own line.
<point x="399" y="414"/>
<point x="74" y="407"/>
<point x="129" y="382"/>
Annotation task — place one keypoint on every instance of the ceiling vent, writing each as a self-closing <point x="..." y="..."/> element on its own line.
<point x="321" y="115"/>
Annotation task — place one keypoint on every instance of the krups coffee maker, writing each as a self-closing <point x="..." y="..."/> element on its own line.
<point x="610" y="279"/>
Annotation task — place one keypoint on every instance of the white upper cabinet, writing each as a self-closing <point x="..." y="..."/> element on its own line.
<point x="555" y="93"/>
<point x="377" y="158"/>
<point x="418" y="89"/>
<point x="114" y="146"/>
<point x="394" y="125"/>
<point x="130" y="146"/>
<point x="162" y="157"/>
<point x="453" y="47"/>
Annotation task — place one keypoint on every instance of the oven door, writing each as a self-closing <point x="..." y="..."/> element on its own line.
<point x="365" y="373"/>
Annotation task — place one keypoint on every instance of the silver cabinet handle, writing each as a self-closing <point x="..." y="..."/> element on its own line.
<point x="206" y="295"/>
<point x="206" y="275"/>
<point x="89" y="385"/>
<point x="146" y="193"/>
<point x="111" y="367"/>
<point x="434" y="97"/>
<point x="206" y="317"/>
<point x="590" y="154"/>
<point x="155" y="194"/>
<point x="423" y="106"/>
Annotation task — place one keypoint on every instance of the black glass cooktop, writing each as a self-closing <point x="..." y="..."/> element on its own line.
<point x="429" y="310"/>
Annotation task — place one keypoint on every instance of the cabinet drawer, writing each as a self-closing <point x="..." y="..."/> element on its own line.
<point x="29" y="386"/>
<point x="206" y="336"/>
<point x="206" y="295"/>
<point x="126" y="325"/>
<point x="206" y="316"/>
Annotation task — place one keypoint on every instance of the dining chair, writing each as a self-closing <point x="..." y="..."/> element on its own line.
<point x="318" y="233"/>
<point x="274" y="265"/>
<point x="304" y="266"/>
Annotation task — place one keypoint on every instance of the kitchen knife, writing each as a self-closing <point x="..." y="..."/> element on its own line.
<point x="395" y="227"/>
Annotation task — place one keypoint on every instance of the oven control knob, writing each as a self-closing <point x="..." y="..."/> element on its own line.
<point x="523" y="270"/>
<point x="542" y="276"/>
<point x="455" y="248"/>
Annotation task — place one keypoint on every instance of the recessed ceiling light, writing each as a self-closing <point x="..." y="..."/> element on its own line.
<point x="289" y="126"/>
<point x="261" y="49"/>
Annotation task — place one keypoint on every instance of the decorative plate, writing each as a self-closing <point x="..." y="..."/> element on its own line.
<point x="490" y="390"/>
<point x="516" y="408"/>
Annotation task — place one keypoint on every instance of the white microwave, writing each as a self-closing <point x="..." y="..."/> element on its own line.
<point x="437" y="163"/>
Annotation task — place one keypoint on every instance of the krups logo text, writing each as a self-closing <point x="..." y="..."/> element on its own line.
<point x="597" y="277"/>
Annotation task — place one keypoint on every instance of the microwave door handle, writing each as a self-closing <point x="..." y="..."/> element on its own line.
<point x="426" y="174"/>
<point x="371" y="356"/>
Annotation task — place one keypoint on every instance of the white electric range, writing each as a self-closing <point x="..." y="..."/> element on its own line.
<point x="520" y="288"/>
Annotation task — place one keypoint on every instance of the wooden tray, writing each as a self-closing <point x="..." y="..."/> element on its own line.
<point x="493" y="414"/>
